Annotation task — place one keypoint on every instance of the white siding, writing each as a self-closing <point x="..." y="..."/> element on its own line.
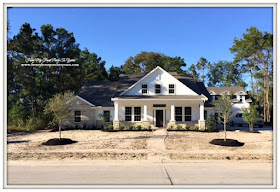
<point x="164" y="79"/>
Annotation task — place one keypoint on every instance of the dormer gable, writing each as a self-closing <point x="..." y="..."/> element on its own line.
<point x="158" y="82"/>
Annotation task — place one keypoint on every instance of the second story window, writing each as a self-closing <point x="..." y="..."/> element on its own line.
<point x="171" y="88"/>
<point x="144" y="89"/>
<point x="157" y="87"/>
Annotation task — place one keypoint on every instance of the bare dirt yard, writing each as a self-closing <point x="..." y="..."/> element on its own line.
<point x="91" y="144"/>
<point x="195" y="145"/>
<point x="129" y="145"/>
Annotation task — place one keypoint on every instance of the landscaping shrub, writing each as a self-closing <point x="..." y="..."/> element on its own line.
<point x="130" y="127"/>
<point x="196" y="127"/>
<point x="139" y="127"/>
<point x="121" y="128"/>
<point x="170" y="127"/>
<point x="210" y="123"/>
<point x="34" y="124"/>
<point x="149" y="127"/>
<point x="179" y="127"/>
<point x="187" y="127"/>
<point x="110" y="127"/>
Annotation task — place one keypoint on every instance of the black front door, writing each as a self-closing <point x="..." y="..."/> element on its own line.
<point x="159" y="118"/>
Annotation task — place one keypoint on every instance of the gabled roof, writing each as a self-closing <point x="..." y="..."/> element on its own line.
<point x="220" y="90"/>
<point x="99" y="93"/>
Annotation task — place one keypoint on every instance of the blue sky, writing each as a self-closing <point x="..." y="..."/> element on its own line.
<point x="117" y="33"/>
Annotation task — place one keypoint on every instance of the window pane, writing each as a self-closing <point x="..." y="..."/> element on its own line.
<point x="144" y="91"/>
<point x="157" y="86"/>
<point x="171" y="86"/>
<point x="77" y="113"/>
<point x="178" y="118"/>
<point x="137" y="118"/>
<point x="127" y="118"/>
<point x="157" y="90"/>
<point x="107" y="116"/>
<point x="144" y="86"/>
<point x="188" y="118"/>
<point x="77" y="119"/>
<point x="137" y="110"/>
<point x="171" y="90"/>
<point x="188" y="110"/>
<point x="128" y="110"/>
<point x="178" y="110"/>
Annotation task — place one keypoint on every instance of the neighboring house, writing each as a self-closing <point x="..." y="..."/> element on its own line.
<point x="157" y="98"/>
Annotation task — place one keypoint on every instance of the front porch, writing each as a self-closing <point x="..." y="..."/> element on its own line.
<point x="159" y="113"/>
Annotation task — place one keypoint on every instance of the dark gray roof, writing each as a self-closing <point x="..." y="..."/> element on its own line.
<point x="99" y="93"/>
<point x="232" y="90"/>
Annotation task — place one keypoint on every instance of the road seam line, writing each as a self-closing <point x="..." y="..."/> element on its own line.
<point x="168" y="176"/>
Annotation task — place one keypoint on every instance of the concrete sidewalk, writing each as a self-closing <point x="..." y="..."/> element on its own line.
<point x="134" y="173"/>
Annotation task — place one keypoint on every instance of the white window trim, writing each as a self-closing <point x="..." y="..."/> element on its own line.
<point x="146" y="88"/>
<point x="173" y="88"/>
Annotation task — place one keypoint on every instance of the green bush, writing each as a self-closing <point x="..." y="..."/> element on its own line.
<point x="210" y="123"/>
<point x="170" y="127"/>
<point x="139" y="127"/>
<point x="179" y="127"/>
<point x="34" y="124"/>
<point x="110" y="127"/>
<point x="196" y="127"/>
<point x="149" y="127"/>
<point x="130" y="127"/>
<point x="121" y="127"/>
<point x="187" y="127"/>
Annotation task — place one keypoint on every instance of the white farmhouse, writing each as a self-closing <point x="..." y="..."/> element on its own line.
<point x="157" y="99"/>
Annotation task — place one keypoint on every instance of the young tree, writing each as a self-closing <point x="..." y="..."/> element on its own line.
<point x="250" y="115"/>
<point x="224" y="105"/>
<point x="59" y="106"/>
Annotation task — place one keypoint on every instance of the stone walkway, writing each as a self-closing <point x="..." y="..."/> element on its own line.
<point x="156" y="147"/>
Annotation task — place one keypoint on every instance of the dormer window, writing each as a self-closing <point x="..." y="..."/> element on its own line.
<point x="157" y="88"/>
<point x="144" y="89"/>
<point x="171" y="88"/>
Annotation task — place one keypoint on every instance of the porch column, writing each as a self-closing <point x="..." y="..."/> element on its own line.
<point x="116" y="118"/>
<point x="145" y="113"/>
<point x="201" y="107"/>
<point x="201" y="121"/>
<point x="172" y="118"/>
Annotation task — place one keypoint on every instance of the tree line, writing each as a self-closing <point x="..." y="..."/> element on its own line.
<point x="29" y="88"/>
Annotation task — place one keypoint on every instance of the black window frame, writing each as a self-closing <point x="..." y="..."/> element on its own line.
<point x="109" y="117"/>
<point x="179" y="114"/>
<point x="77" y="116"/>
<point x="157" y="89"/>
<point x="172" y="89"/>
<point x="137" y="114"/>
<point x="144" y="89"/>
<point x="128" y="114"/>
<point x="188" y="114"/>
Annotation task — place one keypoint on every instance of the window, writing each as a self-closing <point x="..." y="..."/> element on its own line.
<point x="144" y="89"/>
<point x="128" y="114"/>
<point x="205" y="114"/>
<point x="77" y="116"/>
<point x="157" y="88"/>
<point x="188" y="114"/>
<point x="241" y="100"/>
<point x="159" y="105"/>
<point x="178" y="113"/>
<point x="107" y="116"/>
<point x="137" y="113"/>
<point x="171" y="88"/>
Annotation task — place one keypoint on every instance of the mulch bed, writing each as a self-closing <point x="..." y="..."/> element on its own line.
<point x="228" y="142"/>
<point x="57" y="141"/>
<point x="250" y="131"/>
